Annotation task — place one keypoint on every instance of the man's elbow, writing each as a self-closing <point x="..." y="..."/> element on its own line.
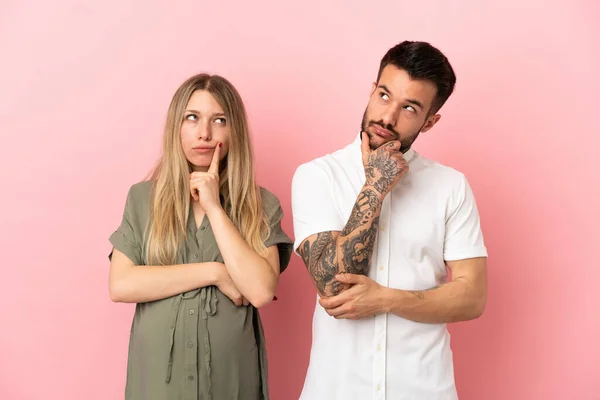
<point x="330" y="288"/>
<point x="324" y="292"/>
<point x="478" y="307"/>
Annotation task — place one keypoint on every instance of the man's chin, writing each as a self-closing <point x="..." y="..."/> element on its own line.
<point x="376" y="141"/>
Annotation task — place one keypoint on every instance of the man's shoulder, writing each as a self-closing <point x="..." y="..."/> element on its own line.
<point x="326" y="164"/>
<point x="436" y="171"/>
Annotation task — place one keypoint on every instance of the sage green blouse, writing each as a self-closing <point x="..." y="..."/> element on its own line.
<point x="196" y="345"/>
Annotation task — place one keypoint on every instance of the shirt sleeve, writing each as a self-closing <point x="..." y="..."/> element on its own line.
<point x="125" y="237"/>
<point x="277" y="236"/>
<point x="313" y="204"/>
<point x="463" y="238"/>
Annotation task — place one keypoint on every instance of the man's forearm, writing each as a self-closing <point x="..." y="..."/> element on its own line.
<point x="348" y="251"/>
<point x="451" y="302"/>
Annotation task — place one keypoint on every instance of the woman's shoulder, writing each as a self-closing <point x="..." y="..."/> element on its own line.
<point x="139" y="195"/>
<point x="271" y="203"/>
<point x="142" y="188"/>
<point x="269" y="199"/>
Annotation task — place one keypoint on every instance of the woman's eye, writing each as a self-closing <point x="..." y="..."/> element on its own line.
<point x="191" y="117"/>
<point x="220" y="121"/>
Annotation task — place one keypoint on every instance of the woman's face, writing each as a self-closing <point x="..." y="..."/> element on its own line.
<point x="204" y="126"/>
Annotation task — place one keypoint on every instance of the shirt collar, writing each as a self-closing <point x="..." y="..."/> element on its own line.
<point x="356" y="144"/>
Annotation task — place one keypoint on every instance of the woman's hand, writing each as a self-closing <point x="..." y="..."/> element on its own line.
<point x="204" y="186"/>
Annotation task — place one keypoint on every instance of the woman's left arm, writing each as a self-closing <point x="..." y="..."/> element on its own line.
<point x="254" y="276"/>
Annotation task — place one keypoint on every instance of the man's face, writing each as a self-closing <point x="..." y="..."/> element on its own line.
<point x="398" y="109"/>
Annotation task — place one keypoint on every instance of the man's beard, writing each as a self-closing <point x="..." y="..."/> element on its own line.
<point x="405" y="143"/>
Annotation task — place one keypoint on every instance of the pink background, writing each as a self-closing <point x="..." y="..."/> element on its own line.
<point x="85" y="87"/>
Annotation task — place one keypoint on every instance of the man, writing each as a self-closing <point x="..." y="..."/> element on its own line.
<point x="377" y="225"/>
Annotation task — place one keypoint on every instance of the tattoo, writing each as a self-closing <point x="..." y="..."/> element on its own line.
<point x="336" y="287"/>
<point x="364" y="209"/>
<point x="320" y="257"/>
<point x="421" y="293"/>
<point x="359" y="248"/>
<point x="305" y="252"/>
<point x="382" y="170"/>
<point x="355" y="246"/>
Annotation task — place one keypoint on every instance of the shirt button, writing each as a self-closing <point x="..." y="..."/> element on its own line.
<point x="202" y="227"/>
<point x="379" y="388"/>
<point x="378" y="347"/>
<point x="190" y="345"/>
<point x="381" y="267"/>
<point x="191" y="377"/>
<point x="195" y="255"/>
<point x="192" y="312"/>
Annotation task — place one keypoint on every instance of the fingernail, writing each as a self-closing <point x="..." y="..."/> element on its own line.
<point x="220" y="144"/>
<point x="274" y="298"/>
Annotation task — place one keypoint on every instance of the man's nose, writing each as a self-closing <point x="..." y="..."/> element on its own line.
<point x="390" y="116"/>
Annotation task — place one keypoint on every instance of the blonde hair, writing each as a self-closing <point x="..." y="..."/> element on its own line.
<point x="170" y="199"/>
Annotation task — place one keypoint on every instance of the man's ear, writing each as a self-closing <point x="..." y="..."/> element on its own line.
<point x="431" y="121"/>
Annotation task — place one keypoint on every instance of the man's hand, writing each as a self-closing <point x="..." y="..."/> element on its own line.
<point x="384" y="166"/>
<point x="364" y="299"/>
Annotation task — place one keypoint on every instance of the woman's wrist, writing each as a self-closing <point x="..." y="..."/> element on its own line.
<point x="209" y="273"/>
<point x="214" y="210"/>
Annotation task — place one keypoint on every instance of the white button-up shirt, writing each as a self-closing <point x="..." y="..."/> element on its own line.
<point x="428" y="218"/>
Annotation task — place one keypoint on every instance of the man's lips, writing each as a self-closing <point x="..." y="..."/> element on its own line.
<point x="382" y="132"/>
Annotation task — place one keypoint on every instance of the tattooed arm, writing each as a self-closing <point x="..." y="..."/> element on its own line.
<point x="329" y="253"/>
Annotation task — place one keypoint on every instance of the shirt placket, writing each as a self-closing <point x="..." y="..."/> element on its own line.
<point x="382" y="264"/>
<point x="191" y="311"/>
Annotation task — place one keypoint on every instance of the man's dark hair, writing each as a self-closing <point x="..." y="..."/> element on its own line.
<point x="423" y="61"/>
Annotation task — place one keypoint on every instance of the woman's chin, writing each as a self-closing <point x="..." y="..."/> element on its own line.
<point x="199" y="166"/>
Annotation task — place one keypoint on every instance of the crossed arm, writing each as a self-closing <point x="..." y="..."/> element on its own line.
<point x="245" y="276"/>
<point x="338" y="262"/>
<point x="461" y="299"/>
<point x="330" y="253"/>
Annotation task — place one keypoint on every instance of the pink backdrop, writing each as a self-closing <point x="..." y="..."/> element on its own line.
<point x="85" y="88"/>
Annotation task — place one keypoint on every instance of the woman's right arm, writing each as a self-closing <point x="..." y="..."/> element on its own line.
<point x="129" y="283"/>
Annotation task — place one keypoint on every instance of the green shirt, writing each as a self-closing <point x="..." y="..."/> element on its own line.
<point x="196" y="345"/>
